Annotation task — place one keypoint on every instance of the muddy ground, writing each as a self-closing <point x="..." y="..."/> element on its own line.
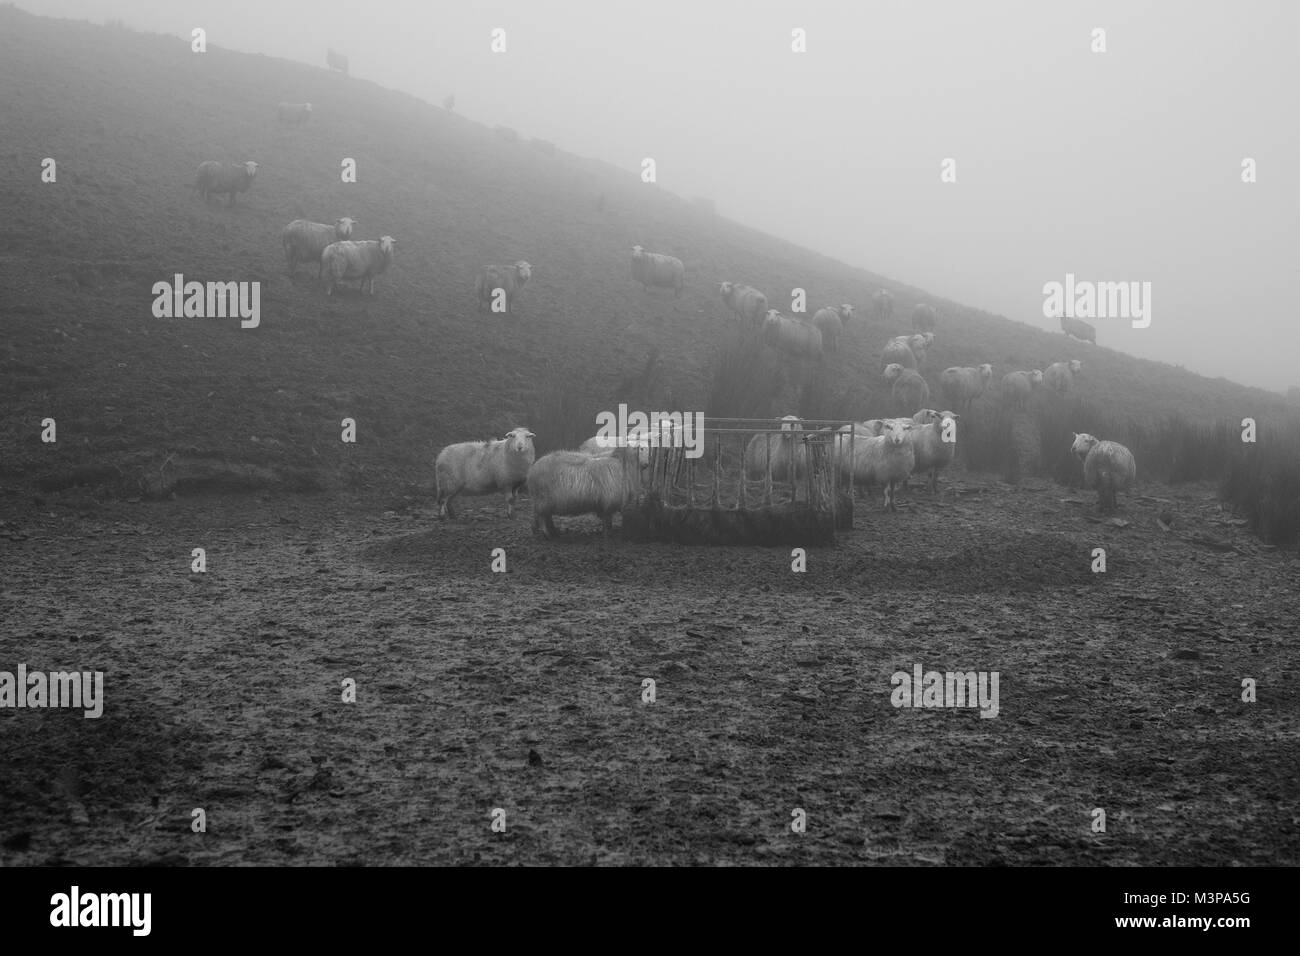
<point x="522" y="690"/>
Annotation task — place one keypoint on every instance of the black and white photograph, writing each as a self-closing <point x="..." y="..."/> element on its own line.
<point x="691" y="433"/>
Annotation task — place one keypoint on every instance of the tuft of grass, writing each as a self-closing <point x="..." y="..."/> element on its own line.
<point x="1262" y="482"/>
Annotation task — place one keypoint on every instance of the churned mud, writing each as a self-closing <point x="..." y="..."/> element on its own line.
<point x="523" y="690"/>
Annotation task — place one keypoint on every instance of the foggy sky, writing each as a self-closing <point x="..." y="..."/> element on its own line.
<point x="1119" y="166"/>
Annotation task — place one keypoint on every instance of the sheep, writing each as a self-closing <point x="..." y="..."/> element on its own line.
<point x="336" y="61"/>
<point x="305" y="241"/>
<point x="572" y="483"/>
<point x="961" y="386"/>
<point x="652" y="268"/>
<point x="449" y="102"/>
<point x="924" y="317"/>
<point x="1107" y="466"/>
<point x="505" y="133"/>
<point x="599" y="446"/>
<point x="212" y="177"/>
<point x="356" y="260"/>
<point x="831" y="321"/>
<point x="509" y="279"/>
<point x="788" y="456"/>
<point x="884" y="300"/>
<point x="293" y="114"/>
<point x="909" y="389"/>
<point x="1079" y="329"/>
<point x="907" y="350"/>
<point x="932" y="453"/>
<point x="1060" y="375"/>
<point x="793" y="336"/>
<point x="1018" y="387"/>
<point x="484" y="467"/>
<point x="885" y="459"/>
<point x="747" y="302"/>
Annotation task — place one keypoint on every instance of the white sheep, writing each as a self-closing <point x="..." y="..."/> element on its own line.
<point x="485" y="467"/>
<point x="1079" y="329"/>
<point x="356" y="260"/>
<point x="924" y="317"/>
<point x="653" y="268"/>
<point x="885" y="459"/>
<point x="792" y="336"/>
<point x="1107" y="466"/>
<point x="906" y="350"/>
<point x="961" y="386"/>
<point x="932" y="453"/>
<point x="304" y="241"/>
<point x="336" y="61"/>
<point x="831" y="321"/>
<point x="572" y="483"/>
<point x="909" y="389"/>
<point x="746" y="302"/>
<point x="213" y="177"/>
<point x="884" y="301"/>
<point x="1018" y="387"/>
<point x="293" y="114"/>
<point x="600" y="445"/>
<point x="1059" y="376"/>
<point x="789" y="456"/>
<point x="509" y="279"/>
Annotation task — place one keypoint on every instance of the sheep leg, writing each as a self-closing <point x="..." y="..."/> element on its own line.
<point x="444" y="505"/>
<point x="550" y="527"/>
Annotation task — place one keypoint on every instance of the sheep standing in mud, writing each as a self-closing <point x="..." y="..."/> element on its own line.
<point x="932" y="453"/>
<point x="886" y="459"/>
<point x="1107" y="466"/>
<point x="213" y="177"/>
<point x="484" y="467"/>
<point x="508" y="279"/>
<point x="305" y="241"/>
<point x="653" y="268"/>
<point x="573" y="483"/>
<point x="363" y="260"/>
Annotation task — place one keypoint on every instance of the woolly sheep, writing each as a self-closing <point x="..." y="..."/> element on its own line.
<point x="1079" y="329"/>
<point x="293" y="114"/>
<point x="1018" y="387"/>
<point x="745" y="301"/>
<point x="1107" y="466"/>
<point x="356" y="260"/>
<point x="961" y="386"/>
<point x="909" y="389"/>
<point x="885" y="459"/>
<point x="336" y="61"/>
<point x="600" y="445"/>
<point x="788" y="455"/>
<point x="213" y="177"/>
<point x="484" y="467"/>
<point x="906" y="350"/>
<point x="1060" y="375"/>
<point x="511" y="279"/>
<point x="884" y="301"/>
<point x="572" y="483"/>
<point x="924" y="317"/>
<point x="304" y="241"/>
<point x="932" y="453"/>
<point x="652" y="268"/>
<point x="831" y="321"/>
<point x="792" y="336"/>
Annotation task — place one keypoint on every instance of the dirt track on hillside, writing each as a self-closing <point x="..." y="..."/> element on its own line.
<point x="522" y="690"/>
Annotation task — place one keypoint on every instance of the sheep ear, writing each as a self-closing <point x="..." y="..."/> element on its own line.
<point x="530" y="435"/>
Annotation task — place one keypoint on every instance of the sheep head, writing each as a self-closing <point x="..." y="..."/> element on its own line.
<point x="1076" y="366"/>
<point x="523" y="270"/>
<point x="986" y="371"/>
<point x="895" y="431"/>
<point x="343" y="227"/>
<point x="250" y="168"/>
<point x="386" y="244"/>
<point x="892" y="371"/>
<point x="1083" y="443"/>
<point x="1036" y="377"/>
<point x="519" y="440"/>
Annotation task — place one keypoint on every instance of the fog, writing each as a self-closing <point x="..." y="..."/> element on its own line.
<point x="1117" y="166"/>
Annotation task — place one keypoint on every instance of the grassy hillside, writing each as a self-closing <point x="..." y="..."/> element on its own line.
<point x="143" y="402"/>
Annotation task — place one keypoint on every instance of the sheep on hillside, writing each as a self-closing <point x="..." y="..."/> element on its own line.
<point x="932" y="453"/>
<point x="495" y="283"/>
<point x="909" y="389"/>
<point x="305" y="241"/>
<point x="961" y="386"/>
<point x="652" y="268"/>
<point x="794" y="337"/>
<point x="356" y="260"/>
<point x="336" y="61"/>
<point x="1107" y="466"/>
<point x="1059" y="376"/>
<point x="1079" y="329"/>
<point x="484" y="467"/>
<point x="924" y="317"/>
<point x="746" y="302"/>
<point x="906" y="350"/>
<point x="572" y="483"/>
<point x="1018" y="387"/>
<point x="831" y="321"/>
<point x="884" y="301"/>
<point x="293" y="114"/>
<point x="886" y="459"/>
<point x="213" y="177"/>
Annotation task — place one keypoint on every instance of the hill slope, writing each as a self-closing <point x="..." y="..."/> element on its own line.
<point x="129" y="116"/>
